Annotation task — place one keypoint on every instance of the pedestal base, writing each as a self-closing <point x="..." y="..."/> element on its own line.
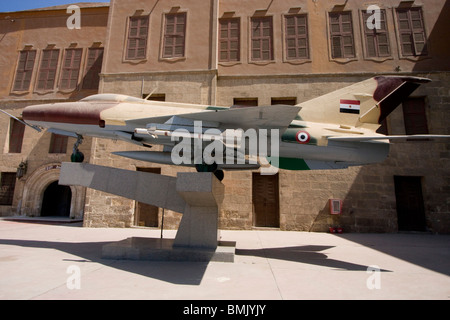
<point x="151" y="249"/>
<point x="196" y="195"/>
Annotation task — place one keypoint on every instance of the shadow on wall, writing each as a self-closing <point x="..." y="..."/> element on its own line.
<point x="438" y="49"/>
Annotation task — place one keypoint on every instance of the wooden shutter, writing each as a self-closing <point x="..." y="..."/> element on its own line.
<point x="265" y="190"/>
<point x="296" y="34"/>
<point x="284" y="101"/>
<point x="245" y="102"/>
<point x="24" y="70"/>
<point x="414" y="115"/>
<point x="229" y="40"/>
<point x="93" y="68"/>
<point x="7" y="187"/>
<point x="47" y="70"/>
<point x="137" y="38"/>
<point x="262" y="39"/>
<point x="341" y="35"/>
<point x="377" y="40"/>
<point x="58" y="144"/>
<point x="410" y="204"/>
<point x="174" y="35"/>
<point x="71" y="69"/>
<point x="16" y="136"/>
<point x="412" y="32"/>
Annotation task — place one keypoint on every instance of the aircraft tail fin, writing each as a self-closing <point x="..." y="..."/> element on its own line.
<point x="369" y="101"/>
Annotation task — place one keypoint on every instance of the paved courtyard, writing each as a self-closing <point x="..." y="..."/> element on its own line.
<point x="40" y="261"/>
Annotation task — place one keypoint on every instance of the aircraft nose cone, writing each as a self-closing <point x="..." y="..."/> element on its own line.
<point x="69" y="112"/>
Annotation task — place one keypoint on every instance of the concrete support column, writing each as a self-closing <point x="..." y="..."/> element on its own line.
<point x="203" y="194"/>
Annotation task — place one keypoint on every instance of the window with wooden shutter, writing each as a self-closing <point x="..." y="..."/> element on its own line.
<point x="7" y="187"/>
<point x="341" y="35"/>
<point x="262" y="39"/>
<point x="414" y="115"/>
<point x="229" y="40"/>
<point x="245" y="102"/>
<point x="71" y="69"/>
<point x="377" y="40"/>
<point x="24" y="71"/>
<point x="174" y="35"/>
<point x="411" y="30"/>
<point x="137" y="38"/>
<point x="296" y="34"/>
<point x="47" y="70"/>
<point x="58" y="144"/>
<point x="93" y="68"/>
<point x="16" y="133"/>
<point x="284" y="101"/>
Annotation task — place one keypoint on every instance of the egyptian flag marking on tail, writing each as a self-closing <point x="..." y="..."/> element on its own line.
<point x="350" y="106"/>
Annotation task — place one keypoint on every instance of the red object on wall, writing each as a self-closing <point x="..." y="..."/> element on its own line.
<point x="335" y="206"/>
<point x="336" y="230"/>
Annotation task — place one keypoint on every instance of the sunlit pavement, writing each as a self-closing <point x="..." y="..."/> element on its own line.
<point x="40" y="261"/>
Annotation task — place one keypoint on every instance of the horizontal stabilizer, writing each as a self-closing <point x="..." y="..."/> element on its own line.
<point x="378" y="138"/>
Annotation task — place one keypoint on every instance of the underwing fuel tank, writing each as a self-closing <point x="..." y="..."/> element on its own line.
<point x="166" y="158"/>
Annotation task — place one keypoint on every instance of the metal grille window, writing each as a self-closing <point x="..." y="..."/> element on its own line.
<point x="71" y="69"/>
<point x="341" y="35"/>
<point x="377" y="40"/>
<point x="24" y="70"/>
<point x="412" y="32"/>
<point x="93" y="68"/>
<point x="17" y="131"/>
<point x="7" y="186"/>
<point x="230" y="30"/>
<point x="58" y="144"/>
<point x="137" y="38"/>
<point x="297" y="46"/>
<point x="174" y="35"/>
<point x="262" y="39"/>
<point x="47" y="70"/>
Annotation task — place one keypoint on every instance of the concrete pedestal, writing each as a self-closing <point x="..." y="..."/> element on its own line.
<point x="196" y="195"/>
<point x="165" y="250"/>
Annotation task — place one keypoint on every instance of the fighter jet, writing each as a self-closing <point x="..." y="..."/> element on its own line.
<point x="333" y="131"/>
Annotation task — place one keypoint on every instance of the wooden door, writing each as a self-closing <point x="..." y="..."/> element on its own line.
<point x="147" y="215"/>
<point x="410" y="205"/>
<point x="266" y="201"/>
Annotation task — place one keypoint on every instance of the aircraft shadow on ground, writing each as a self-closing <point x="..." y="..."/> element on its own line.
<point x="182" y="273"/>
<point x="310" y="254"/>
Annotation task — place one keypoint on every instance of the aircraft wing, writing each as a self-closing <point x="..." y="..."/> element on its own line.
<point x="266" y="117"/>
<point x="21" y="121"/>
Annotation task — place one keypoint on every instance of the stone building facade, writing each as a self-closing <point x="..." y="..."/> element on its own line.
<point x="227" y="52"/>
<point x="44" y="61"/>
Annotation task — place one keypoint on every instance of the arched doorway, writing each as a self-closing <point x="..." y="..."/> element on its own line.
<point x="56" y="201"/>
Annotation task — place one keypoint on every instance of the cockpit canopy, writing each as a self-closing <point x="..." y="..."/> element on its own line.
<point x="113" y="97"/>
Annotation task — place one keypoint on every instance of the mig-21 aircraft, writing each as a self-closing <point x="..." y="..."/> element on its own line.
<point x="333" y="131"/>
